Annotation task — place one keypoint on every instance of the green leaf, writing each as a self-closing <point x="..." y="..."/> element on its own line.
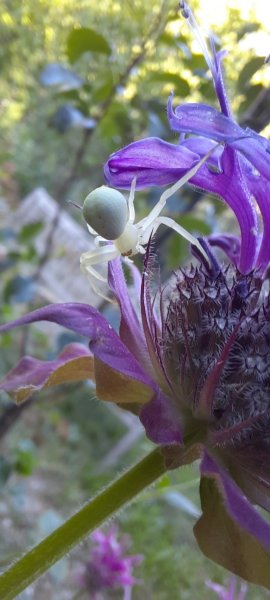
<point x="207" y="90"/>
<point x="25" y="458"/>
<point x="5" y="470"/>
<point x="104" y="89"/>
<point x="195" y="63"/>
<point x="194" y="225"/>
<point x="251" y="94"/>
<point x="247" y="28"/>
<point x="223" y="540"/>
<point x="29" y="231"/>
<point x="168" y="39"/>
<point x="164" y="482"/>
<point x="176" y="248"/>
<point x="248" y="71"/>
<point x="180" y="85"/>
<point x="84" y="40"/>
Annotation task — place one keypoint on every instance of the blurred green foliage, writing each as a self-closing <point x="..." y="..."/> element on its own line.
<point x="129" y="55"/>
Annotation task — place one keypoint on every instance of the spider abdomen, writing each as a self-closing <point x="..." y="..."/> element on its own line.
<point x="106" y="211"/>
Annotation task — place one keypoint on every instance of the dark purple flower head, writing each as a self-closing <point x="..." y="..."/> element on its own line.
<point x="108" y="566"/>
<point x="212" y="340"/>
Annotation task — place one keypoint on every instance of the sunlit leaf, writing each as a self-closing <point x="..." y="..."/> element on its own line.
<point x="247" y="28"/>
<point x="252" y="94"/>
<point x="181" y="86"/>
<point x="195" y="62"/>
<point x="83" y="40"/>
<point x="207" y="89"/>
<point x="104" y="89"/>
<point x="248" y="71"/>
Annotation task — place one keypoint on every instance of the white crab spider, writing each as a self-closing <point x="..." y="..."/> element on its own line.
<point x="110" y="217"/>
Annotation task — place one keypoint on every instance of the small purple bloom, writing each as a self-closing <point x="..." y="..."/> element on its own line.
<point x="108" y="566"/>
<point x="229" y="592"/>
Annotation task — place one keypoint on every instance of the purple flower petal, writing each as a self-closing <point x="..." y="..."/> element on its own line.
<point x="131" y="331"/>
<point x="231" y="183"/>
<point x="230" y="244"/>
<point x="87" y="321"/>
<point x="203" y="120"/>
<point x="201" y="146"/>
<point x="161" y="420"/>
<point x="206" y="121"/>
<point x="218" y="78"/>
<point x="151" y="326"/>
<point x="260" y="189"/>
<point x="232" y="187"/>
<point x="229" y="592"/>
<point x="237" y="506"/>
<point x="108" y="565"/>
<point x="151" y="161"/>
<point x="230" y="531"/>
<point x="75" y="363"/>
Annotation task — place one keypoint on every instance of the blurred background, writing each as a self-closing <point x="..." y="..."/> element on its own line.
<point x="78" y="81"/>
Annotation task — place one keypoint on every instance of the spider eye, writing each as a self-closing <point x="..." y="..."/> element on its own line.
<point x="106" y="211"/>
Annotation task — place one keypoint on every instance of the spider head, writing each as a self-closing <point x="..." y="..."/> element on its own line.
<point x="105" y="210"/>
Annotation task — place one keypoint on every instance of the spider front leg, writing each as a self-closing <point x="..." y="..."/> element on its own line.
<point x="101" y="255"/>
<point x="131" y="210"/>
<point x="155" y="212"/>
<point x="151" y="229"/>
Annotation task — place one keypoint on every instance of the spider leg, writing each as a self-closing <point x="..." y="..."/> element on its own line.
<point x="97" y="290"/>
<point x="176" y="227"/>
<point x="88" y="270"/>
<point x="131" y="209"/>
<point x="154" y="213"/>
<point x="103" y="254"/>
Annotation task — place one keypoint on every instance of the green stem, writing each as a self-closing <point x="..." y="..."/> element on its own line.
<point x="94" y="513"/>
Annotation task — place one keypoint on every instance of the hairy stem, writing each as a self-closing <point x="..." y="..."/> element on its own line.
<point x="38" y="560"/>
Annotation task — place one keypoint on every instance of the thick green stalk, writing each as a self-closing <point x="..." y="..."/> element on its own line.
<point x="38" y="560"/>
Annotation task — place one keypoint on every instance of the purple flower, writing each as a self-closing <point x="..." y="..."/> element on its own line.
<point x="108" y="566"/>
<point x="191" y="359"/>
<point x="194" y="365"/>
<point x="238" y="173"/>
<point x="229" y="592"/>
